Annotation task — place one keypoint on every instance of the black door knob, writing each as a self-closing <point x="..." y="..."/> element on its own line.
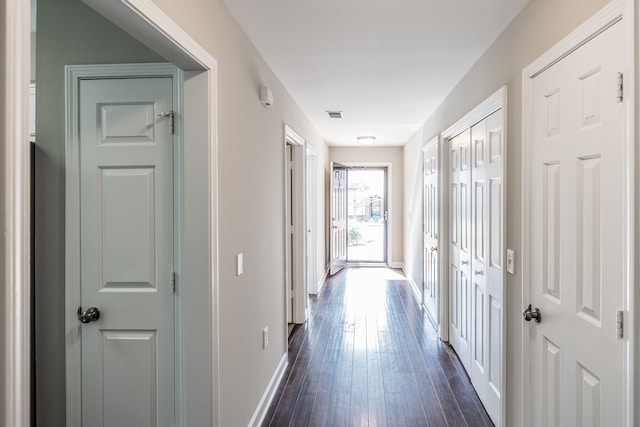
<point x="529" y="314"/>
<point x="89" y="315"/>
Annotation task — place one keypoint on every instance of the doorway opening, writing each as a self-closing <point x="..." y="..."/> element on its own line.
<point x="367" y="215"/>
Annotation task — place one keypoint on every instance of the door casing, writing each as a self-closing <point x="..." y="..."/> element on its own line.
<point x="200" y="336"/>
<point x="75" y="74"/>
<point x="388" y="202"/>
<point x="617" y="10"/>
<point x="295" y="243"/>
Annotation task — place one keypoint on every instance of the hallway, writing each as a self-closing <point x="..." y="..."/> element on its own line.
<point x="368" y="356"/>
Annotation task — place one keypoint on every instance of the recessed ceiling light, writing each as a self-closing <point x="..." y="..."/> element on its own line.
<point x="335" y="114"/>
<point x="366" y="140"/>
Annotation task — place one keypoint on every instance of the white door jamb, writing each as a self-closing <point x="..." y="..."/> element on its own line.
<point x="15" y="213"/>
<point x="298" y="220"/>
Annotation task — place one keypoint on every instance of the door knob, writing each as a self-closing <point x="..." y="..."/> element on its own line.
<point x="90" y="315"/>
<point x="529" y="314"/>
<point x="434" y="248"/>
<point x="465" y="262"/>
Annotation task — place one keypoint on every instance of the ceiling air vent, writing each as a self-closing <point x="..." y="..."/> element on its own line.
<point x="335" y="114"/>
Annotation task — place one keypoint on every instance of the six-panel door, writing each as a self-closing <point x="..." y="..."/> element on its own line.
<point x="127" y="251"/>
<point x="578" y="233"/>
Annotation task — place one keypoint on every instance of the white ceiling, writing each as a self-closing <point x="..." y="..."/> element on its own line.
<point x="387" y="64"/>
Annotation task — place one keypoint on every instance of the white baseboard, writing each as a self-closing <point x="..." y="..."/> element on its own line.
<point x="417" y="292"/>
<point x="323" y="279"/>
<point x="269" y="393"/>
<point x="396" y="265"/>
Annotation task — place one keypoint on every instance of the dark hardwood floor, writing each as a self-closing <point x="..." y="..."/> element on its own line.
<point x="368" y="356"/>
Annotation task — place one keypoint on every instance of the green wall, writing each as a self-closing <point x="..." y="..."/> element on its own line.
<point x="68" y="33"/>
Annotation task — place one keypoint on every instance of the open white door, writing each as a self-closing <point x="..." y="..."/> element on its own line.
<point x="431" y="233"/>
<point x="338" y="208"/>
<point x="580" y="208"/>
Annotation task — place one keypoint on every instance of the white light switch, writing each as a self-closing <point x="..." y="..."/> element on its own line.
<point x="511" y="261"/>
<point x="240" y="264"/>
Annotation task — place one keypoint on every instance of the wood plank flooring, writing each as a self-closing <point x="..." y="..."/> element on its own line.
<point x="368" y="356"/>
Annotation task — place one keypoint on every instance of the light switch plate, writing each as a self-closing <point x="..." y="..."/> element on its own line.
<point x="511" y="261"/>
<point x="240" y="264"/>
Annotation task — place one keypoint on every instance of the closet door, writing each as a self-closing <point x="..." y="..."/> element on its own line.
<point x="460" y="246"/>
<point x="486" y="261"/>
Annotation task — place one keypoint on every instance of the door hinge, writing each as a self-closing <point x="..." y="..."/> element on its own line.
<point x="172" y="281"/>
<point x="620" y="88"/>
<point x="292" y="229"/>
<point x="170" y="115"/>
<point x="291" y="165"/>
<point x="293" y="294"/>
<point x="620" y="324"/>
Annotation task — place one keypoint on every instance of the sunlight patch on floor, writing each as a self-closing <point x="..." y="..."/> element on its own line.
<point x="373" y="274"/>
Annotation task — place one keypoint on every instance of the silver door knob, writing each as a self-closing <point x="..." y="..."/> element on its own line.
<point x="529" y="314"/>
<point x="434" y="248"/>
<point x="465" y="262"/>
<point x="89" y="315"/>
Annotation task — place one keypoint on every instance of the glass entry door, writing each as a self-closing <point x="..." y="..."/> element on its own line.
<point x="367" y="215"/>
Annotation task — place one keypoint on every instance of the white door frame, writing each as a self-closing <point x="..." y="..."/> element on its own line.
<point x="298" y="220"/>
<point x="74" y="75"/>
<point x="495" y="102"/>
<point x="199" y="399"/>
<point x="15" y="214"/>
<point x="388" y="202"/>
<point x="442" y="317"/>
<point x="617" y="10"/>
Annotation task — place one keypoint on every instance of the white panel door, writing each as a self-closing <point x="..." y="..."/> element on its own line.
<point x="126" y="211"/>
<point x="289" y="214"/>
<point x="431" y="230"/>
<point x="312" y="220"/>
<point x="486" y="263"/>
<point x="578" y="231"/>
<point x="460" y="246"/>
<point x="338" y="208"/>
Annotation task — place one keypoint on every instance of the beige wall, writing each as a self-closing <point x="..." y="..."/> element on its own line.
<point x="537" y="28"/>
<point x="251" y="186"/>
<point x="376" y="156"/>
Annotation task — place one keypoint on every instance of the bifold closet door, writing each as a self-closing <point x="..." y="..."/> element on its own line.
<point x="485" y="366"/>
<point x="476" y="256"/>
<point x="460" y="246"/>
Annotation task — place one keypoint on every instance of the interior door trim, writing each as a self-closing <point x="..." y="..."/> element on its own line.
<point x="389" y="206"/>
<point x="15" y="297"/>
<point x="74" y="75"/>
<point x="298" y="220"/>
<point x="614" y="12"/>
